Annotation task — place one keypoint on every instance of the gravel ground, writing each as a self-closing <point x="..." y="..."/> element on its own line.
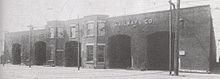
<point x="40" y="72"/>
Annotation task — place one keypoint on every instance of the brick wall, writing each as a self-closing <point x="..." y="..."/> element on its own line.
<point x="195" y="35"/>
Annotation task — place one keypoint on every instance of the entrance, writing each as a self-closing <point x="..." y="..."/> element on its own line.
<point x="16" y="54"/>
<point x="158" y="51"/>
<point x="40" y="53"/>
<point x="71" y="54"/>
<point x="119" y="51"/>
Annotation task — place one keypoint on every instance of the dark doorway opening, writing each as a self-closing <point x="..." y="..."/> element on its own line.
<point x="71" y="54"/>
<point x="119" y="51"/>
<point x="40" y="53"/>
<point x="158" y="50"/>
<point x="16" y="54"/>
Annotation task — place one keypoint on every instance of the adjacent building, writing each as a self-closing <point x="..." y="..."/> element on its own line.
<point x="132" y="41"/>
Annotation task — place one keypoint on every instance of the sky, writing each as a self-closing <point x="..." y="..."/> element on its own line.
<point x="18" y="14"/>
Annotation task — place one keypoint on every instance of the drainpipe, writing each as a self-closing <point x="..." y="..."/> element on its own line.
<point x="170" y="36"/>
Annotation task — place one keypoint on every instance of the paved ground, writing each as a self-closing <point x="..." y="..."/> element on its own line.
<point x="40" y="72"/>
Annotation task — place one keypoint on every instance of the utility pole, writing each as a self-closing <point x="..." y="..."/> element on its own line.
<point x="78" y="45"/>
<point x="96" y="42"/>
<point x="176" y="54"/>
<point x="56" y="38"/>
<point x="30" y="42"/>
<point x="106" y="46"/>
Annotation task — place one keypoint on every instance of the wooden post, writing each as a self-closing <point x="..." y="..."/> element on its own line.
<point x="176" y="54"/>
<point x="30" y="44"/>
<point x="56" y="37"/>
<point x="96" y="43"/>
<point x="78" y="46"/>
<point x="106" y="47"/>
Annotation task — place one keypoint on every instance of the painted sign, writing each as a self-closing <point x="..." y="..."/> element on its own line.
<point x="134" y="22"/>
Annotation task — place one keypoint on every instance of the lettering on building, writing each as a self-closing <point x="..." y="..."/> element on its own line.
<point x="131" y="22"/>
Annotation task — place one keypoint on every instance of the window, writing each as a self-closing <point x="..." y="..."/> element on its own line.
<point x="60" y="32"/>
<point x="73" y="32"/>
<point x="90" y="29"/>
<point x="101" y="27"/>
<point x="89" y="52"/>
<point x="52" y="32"/>
<point x="100" y="54"/>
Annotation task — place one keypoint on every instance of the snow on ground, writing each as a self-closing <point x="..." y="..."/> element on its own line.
<point x="41" y="72"/>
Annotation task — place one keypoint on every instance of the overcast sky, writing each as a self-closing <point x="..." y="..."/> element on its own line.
<point x="17" y="14"/>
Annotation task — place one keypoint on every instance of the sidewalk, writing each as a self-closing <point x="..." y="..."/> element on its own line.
<point x="40" y="72"/>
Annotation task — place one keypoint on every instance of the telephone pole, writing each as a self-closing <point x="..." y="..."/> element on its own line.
<point x="78" y="46"/>
<point x="56" y="38"/>
<point x="96" y="42"/>
<point x="30" y="42"/>
<point x="176" y="54"/>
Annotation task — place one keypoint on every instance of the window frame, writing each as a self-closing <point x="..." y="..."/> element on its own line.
<point x="71" y="31"/>
<point x="92" y="30"/>
<point x="87" y="53"/>
<point x="104" y="50"/>
<point x="60" y="31"/>
<point x="99" y="44"/>
<point x="101" y="29"/>
<point x="52" y="34"/>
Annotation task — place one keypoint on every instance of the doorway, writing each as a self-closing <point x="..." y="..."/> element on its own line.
<point x="71" y="54"/>
<point x="40" y="53"/>
<point x="119" y="51"/>
<point x="16" y="54"/>
<point x="158" y="50"/>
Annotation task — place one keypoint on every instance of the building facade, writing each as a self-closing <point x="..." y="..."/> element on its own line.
<point x="132" y="41"/>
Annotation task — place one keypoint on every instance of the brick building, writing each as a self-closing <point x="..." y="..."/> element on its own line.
<point x="132" y="41"/>
<point x="17" y="45"/>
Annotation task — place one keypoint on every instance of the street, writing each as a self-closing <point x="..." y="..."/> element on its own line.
<point x="41" y="72"/>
